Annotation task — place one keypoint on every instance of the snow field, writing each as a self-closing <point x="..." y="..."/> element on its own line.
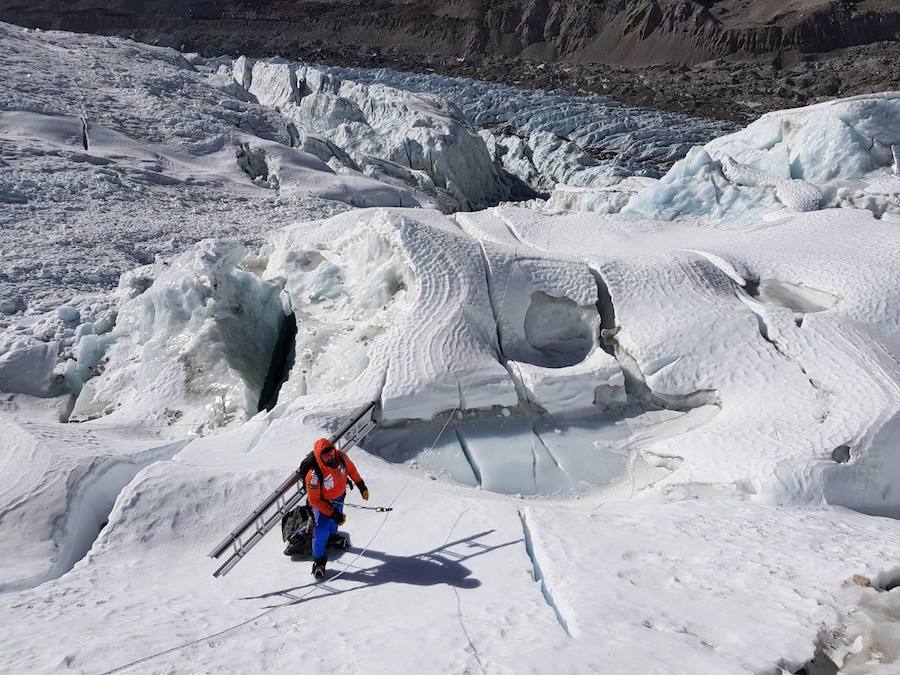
<point x="714" y="586"/>
<point x="57" y="491"/>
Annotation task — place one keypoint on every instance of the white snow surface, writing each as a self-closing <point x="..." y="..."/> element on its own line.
<point x="611" y="442"/>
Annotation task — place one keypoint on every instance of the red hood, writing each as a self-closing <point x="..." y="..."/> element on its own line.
<point x="321" y="445"/>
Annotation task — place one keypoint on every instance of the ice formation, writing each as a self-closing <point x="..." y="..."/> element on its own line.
<point x="386" y="132"/>
<point x="551" y="137"/>
<point x="194" y="333"/>
<point x="834" y="154"/>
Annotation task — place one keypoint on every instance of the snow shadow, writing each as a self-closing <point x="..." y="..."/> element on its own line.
<point x="441" y="566"/>
<point x="798" y="299"/>
<point x="90" y="501"/>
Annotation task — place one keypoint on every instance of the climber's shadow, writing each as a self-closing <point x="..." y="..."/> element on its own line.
<point x="439" y="566"/>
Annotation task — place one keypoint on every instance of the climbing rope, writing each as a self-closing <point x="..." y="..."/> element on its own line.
<point x="377" y="509"/>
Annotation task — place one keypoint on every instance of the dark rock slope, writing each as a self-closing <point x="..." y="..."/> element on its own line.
<point x="622" y="32"/>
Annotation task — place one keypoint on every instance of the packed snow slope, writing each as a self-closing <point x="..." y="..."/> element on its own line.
<point x="661" y="439"/>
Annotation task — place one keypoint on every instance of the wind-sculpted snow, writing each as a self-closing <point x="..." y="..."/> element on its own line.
<point x="549" y="329"/>
<point x="362" y="286"/>
<point x="407" y="306"/>
<point x="550" y="137"/>
<point x="693" y="327"/>
<point x="835" y="154"/>
<point x="56" y="491"/>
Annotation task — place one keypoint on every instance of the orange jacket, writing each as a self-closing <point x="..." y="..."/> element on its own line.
<point x="334" y="479"/>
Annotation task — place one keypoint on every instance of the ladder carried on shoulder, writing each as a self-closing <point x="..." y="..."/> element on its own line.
<point x="268" y="514"/>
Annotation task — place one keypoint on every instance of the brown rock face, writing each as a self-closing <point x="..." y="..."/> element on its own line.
<point x="622" y="32"/>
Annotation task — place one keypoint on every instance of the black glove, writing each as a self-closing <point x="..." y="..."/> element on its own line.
<point x="363" y="490"/>
<point x="338" y="517"/>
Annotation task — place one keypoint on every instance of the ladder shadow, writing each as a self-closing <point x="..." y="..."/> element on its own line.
<point x="439" y="566"/>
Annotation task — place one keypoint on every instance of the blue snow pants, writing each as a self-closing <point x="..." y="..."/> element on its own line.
<point x="324" y="527"/>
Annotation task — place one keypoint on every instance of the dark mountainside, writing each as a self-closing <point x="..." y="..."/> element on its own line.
<point x="648" y="52"/>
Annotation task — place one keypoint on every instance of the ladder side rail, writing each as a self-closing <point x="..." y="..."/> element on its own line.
<point x="356" y="418"/>
<point x="350" y="442"/>
<point x="244" y="548"/>
<point x="259" y="510"/>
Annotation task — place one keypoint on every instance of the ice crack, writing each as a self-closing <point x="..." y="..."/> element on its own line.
<point x="85" y="140"/>
<point x="462" y="624"/>
<point x="538" y="575"/>
<point x="467" y="453"/>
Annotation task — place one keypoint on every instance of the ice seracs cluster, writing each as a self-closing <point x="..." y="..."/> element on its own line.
<point x="834" y="154"/>
<point x="387" y="133"/>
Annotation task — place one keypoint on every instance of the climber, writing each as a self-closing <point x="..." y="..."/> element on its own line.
<point x="326" y="486"/>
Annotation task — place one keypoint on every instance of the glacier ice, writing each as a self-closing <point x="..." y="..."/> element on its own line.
<point x="548" y="137"/>
<point x="196" y="344"/>
<point x="641" y="390"/>
<point x="607" y="199"/>
<point x="832" y="154"/>
<point x="382" y="130"/>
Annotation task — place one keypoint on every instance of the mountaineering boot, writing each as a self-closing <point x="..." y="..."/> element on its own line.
<point x="318" y="568"/>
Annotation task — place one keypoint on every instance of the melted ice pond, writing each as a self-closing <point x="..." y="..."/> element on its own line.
<point x="513" y="452"/>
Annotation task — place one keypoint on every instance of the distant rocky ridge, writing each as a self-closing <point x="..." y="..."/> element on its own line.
<point x="622" y="32"/>
<point x="725" y="59"/>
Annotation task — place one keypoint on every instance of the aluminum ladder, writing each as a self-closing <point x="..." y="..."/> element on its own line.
<point x="268" y="514"/>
